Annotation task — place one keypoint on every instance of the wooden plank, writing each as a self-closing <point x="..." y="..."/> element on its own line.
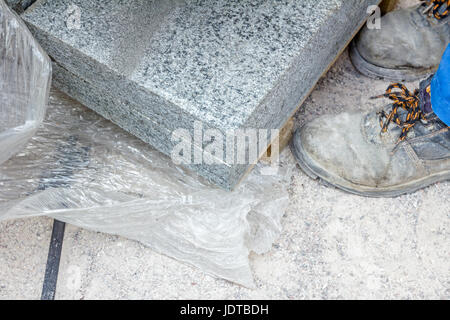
<point x="388" y="5"/>
<point x="283" y="139"/>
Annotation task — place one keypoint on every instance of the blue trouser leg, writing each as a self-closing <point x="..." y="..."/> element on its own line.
<point x="440" y="89"/>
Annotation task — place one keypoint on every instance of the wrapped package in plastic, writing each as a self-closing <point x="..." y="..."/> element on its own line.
<point x="82" y="169"/>
<point x="25" y="73"/>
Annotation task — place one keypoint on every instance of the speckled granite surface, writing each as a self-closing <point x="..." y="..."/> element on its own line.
<point x="231" y="65"/>
<point x="128" y="116"/>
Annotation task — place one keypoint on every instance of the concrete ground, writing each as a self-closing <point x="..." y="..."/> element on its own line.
<point x="334" y="245"/>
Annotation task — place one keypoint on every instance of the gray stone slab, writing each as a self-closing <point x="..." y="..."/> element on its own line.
<point x="229" y="64"/>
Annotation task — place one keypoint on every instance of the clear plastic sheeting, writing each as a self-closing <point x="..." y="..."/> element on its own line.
<point x="25" y="73"/>
<point x="82" y="169"/>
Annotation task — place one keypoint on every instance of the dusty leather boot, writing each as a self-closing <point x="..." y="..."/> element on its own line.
<point x="408" y="46"/>
<point x="410" y="150"/>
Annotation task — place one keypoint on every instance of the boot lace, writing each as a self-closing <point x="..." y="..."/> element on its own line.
<point x="436" y="8"/>
<point x="401" y="99"/>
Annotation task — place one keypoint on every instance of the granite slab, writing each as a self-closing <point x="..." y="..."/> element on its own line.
<point x="139" y="125"/>
<point x="230" y="65"/>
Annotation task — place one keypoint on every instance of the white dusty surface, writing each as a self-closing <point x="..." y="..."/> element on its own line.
<point x="334" y="245"/>
<point x="23" y="255"/>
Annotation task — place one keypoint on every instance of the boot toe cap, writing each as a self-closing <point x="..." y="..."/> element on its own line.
<point x="336" y="146"/>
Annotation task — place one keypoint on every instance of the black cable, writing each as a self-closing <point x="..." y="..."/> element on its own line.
<point x="54" y="257"/>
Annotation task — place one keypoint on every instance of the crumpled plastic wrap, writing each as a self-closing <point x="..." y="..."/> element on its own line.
<point x="25" y="73"/>
<point x="84" y="170"/>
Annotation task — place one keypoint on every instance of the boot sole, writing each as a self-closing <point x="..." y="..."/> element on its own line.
<point x="314" y="171"/>
<point x="396" y="75"/>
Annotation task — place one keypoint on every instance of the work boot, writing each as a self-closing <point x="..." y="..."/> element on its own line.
<point x="408" y="46"/>
<point x="399" y="149"/>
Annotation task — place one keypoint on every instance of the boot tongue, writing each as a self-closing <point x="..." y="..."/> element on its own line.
<point x="425" y="96"/>
<point x="372" y="130"/>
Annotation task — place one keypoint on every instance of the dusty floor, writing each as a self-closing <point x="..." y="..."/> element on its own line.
<point x="334" y="245"/>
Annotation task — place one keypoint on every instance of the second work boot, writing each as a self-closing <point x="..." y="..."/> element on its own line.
<point x="408" y="45"/>
<point x="350" y="151"/>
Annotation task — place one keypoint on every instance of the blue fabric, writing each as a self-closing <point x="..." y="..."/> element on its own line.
<point x="440" y="89"/>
